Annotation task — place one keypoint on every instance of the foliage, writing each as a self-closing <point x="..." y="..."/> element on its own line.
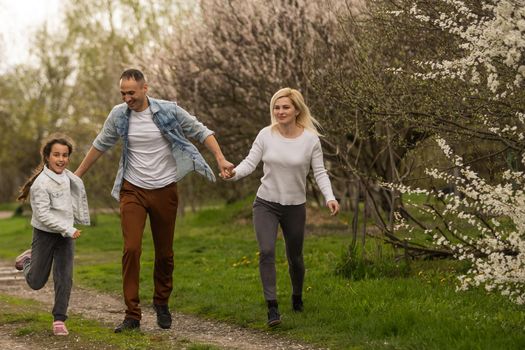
<point x="483" y="225"/>
<point x="383" y="77"/>
<point x="379" y="113"/>
<point x="492" y="54"/>
<point x="356" y="265"/>
<point x="491" y="39"/>
<point x="225" y="65"/>
<point x="73" y="85"/>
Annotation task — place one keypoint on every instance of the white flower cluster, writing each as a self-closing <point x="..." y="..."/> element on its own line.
<point x="496" y="215"/>
<point x="485" y="224"/>
<point x="493" y="45"/>
<point x="509" y="131"/>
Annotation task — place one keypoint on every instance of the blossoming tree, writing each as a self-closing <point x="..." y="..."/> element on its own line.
<point x="485" y="225"/>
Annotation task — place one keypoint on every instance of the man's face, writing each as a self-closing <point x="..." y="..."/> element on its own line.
<point x="134" y="94"/>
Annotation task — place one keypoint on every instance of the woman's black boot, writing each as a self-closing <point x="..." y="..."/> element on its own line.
<point x="297" y="303"/>
<point x="274" y="318"/>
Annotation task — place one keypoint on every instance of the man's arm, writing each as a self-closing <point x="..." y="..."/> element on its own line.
<point x="225" y="167"/>
<point x="90" y="158"/>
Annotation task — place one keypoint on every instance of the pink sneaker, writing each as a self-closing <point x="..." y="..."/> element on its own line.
<point x="59" y="328"/>
<point x="21" y="259"/>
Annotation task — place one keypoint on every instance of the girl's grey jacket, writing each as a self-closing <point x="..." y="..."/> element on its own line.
<point x="58" y="202"/>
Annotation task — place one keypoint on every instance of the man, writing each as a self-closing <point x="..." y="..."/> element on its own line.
<point x="156" y="154"/>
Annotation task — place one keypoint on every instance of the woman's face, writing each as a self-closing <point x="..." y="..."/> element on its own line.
<point x="284" y="111"/>
<point x="58" y="159"/>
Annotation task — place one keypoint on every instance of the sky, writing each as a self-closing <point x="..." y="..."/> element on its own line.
<point x="18" y="20"/>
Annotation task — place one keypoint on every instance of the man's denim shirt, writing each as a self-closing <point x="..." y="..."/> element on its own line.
<point x="174" y="123"/>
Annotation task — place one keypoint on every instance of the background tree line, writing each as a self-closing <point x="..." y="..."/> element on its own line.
<point x="222" y="60"/>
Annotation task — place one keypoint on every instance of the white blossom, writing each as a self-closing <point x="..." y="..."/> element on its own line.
<point x="494" y="269"/>
<point x="492" y="41"/>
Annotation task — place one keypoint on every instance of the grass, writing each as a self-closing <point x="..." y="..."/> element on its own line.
<point x="11" y="206"/>
<point x="216" y="276"/>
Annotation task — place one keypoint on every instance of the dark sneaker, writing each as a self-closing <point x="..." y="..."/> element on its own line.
<point x="274" y="318"/>
<point x="297" y="303"/>
<point x="163" y="316"/>
<point x="21" y="259"/>
<point x="127" y="325"/>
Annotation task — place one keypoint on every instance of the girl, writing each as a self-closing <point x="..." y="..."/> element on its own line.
<point x="58" y="200"/>
<point x="288" y="148"/>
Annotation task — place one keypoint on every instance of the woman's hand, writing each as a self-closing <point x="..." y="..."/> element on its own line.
<point x="333" y="205"/>
<point x="227" y="174"/>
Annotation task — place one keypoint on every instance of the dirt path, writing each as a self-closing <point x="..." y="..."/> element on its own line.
<point x="109" y="310"/>
<point x="5" y="214"/>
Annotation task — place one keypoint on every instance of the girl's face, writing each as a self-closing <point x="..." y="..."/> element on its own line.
<point x="58" y="159"/>
<point x="284" y="111"/>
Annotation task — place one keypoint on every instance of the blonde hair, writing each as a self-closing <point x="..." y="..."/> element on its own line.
<point x="304" y="118"/>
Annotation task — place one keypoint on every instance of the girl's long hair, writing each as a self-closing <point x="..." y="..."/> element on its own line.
<point x="304" y="119"/>
<point x="45" y="152"/>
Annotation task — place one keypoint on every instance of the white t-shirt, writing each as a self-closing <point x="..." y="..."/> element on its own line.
<point x="150" y="162"/>
<point x="286" y="165"/>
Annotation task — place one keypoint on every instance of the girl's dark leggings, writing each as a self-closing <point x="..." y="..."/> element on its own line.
<point x="52" y="250"/>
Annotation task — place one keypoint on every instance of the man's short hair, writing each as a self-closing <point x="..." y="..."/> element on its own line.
<point x="134" y="74"/>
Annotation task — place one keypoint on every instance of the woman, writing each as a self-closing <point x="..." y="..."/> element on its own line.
<point x="288" y="148"/>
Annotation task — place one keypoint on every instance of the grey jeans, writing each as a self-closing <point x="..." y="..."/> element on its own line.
<point x="267" y="216"/>
<point x="51" y="249"/>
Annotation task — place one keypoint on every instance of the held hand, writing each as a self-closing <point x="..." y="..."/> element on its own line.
<point x="333" y="205"/>
<point x="226" y="168"/>
<point x="76" y="234"/>
<point x="228" y="174"/>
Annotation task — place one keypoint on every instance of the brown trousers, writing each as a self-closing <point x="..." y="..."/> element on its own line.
<point x="161" y="205"/>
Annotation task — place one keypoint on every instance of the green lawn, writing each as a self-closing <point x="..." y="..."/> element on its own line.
<point x="8" y="206"/>
<point x="216" y="276"/>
